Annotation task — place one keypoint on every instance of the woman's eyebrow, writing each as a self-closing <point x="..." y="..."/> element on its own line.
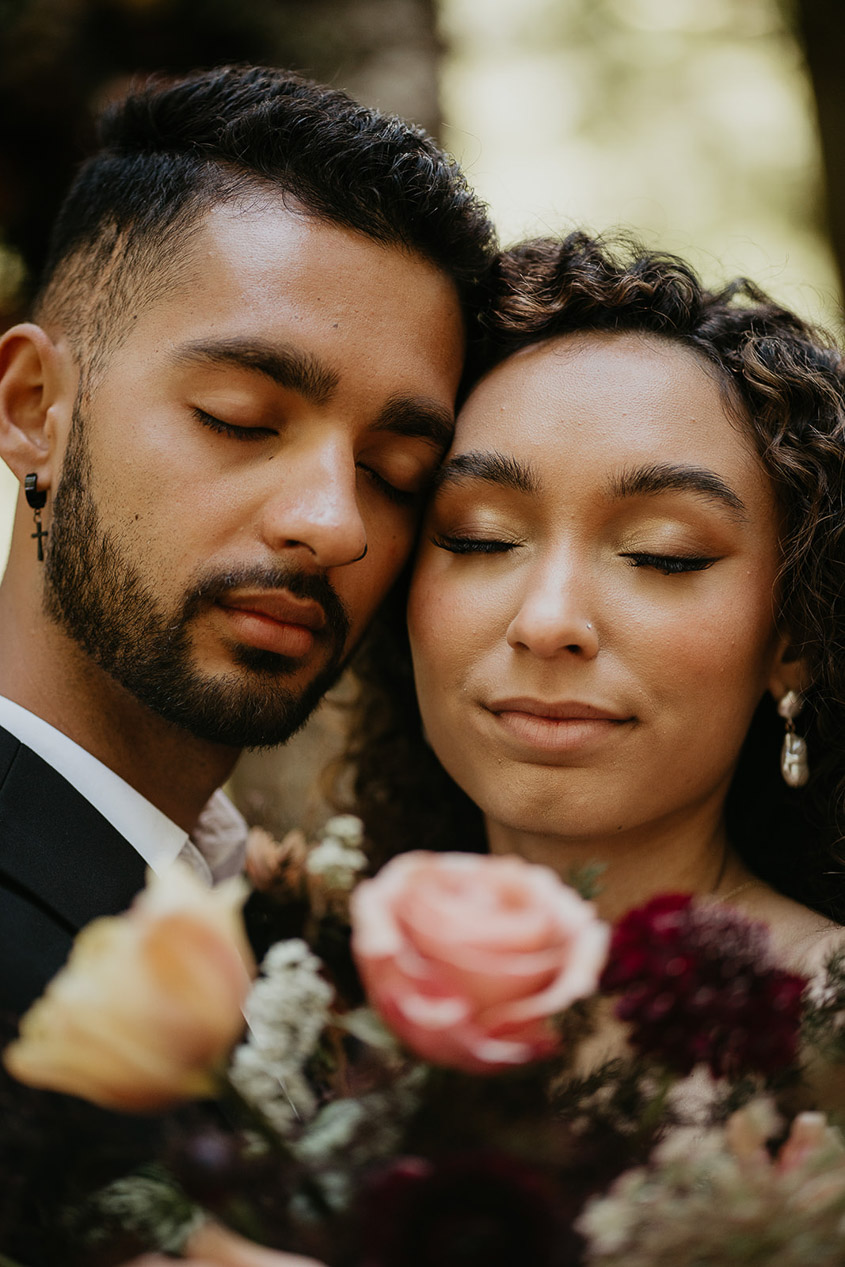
<point x="665" y="477"/>
<point x="490" y="468"/>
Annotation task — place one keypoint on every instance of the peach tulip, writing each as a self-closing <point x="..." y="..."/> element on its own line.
<point x="149" y="1004"/>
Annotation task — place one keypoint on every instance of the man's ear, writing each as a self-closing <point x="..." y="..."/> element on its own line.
<point x="37" y="390"/>
<point x="789" y="670"/>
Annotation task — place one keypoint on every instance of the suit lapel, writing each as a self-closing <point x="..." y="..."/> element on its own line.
<point x="56" y="846"/>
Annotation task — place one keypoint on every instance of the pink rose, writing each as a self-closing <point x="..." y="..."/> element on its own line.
<point x="469" y="958"/>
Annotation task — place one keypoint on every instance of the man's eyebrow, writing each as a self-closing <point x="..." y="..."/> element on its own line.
<point x="491" y="468"/>
<point x="287" y="367"/>
<point x="418" y="418"/>
<point x="649" y="481"/>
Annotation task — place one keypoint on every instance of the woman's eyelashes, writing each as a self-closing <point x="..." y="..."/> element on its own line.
<point x="669" y="564"/>
<point x="473" y="545"/>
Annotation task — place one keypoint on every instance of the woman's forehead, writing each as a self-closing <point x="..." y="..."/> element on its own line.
<point x="587" y="414"/>
<point x="627" y="387"/>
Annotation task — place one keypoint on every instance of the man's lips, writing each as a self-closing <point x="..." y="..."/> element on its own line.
<point x="278" y="605"/>
<point x="274" y="621"/>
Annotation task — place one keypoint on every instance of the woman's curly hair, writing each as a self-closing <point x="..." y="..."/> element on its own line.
<point x="784" y="384"/>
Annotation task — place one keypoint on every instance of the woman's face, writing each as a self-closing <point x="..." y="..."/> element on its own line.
<point x="592" y="615"/>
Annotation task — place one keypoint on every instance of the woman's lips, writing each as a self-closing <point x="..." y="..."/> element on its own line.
<point x="274" y="622"/>
<point x="556" y="726"/>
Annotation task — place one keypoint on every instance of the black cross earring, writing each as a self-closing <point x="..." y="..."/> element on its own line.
<point x="36" y="500"/>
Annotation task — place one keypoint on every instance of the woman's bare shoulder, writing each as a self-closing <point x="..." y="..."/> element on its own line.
<point x="803" y="939"/>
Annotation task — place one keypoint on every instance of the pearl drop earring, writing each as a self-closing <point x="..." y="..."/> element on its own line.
<point x="793" y="755"/>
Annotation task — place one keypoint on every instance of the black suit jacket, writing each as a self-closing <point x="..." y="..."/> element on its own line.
<point x="61" y="865"/>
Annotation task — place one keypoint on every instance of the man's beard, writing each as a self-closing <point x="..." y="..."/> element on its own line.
<point x="102" y="601"/>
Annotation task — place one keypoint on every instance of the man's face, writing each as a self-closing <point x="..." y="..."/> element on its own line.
<point x="256" y="430"/>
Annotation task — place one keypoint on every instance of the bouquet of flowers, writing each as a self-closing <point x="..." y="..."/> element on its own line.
<point x="452" y="1064"/>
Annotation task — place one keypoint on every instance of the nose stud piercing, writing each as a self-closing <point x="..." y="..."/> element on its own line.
<point x="36" y="500"/>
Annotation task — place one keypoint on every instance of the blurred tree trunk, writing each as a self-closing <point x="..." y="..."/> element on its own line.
<point x="821" y="25"/>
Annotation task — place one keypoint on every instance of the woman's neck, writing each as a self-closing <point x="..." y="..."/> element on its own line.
<point x="692" y="856"/>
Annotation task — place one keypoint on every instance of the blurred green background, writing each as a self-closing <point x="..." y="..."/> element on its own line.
<point x="714" y="128"/>
<point x="695" y="121"/>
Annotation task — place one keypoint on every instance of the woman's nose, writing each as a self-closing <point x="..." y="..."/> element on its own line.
<point x="554" y="617"/>
<point x="316" y="510"/>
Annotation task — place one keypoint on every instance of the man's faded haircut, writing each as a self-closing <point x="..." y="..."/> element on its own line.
<point x="175" y="148"/>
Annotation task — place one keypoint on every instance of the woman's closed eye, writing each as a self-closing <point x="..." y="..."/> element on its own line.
<point x="669" y="564"/>
<point x="473" y="545"/>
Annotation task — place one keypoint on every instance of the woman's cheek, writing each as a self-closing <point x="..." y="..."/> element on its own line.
<point x="723" y="638"/>
<point x="439" y="617"/>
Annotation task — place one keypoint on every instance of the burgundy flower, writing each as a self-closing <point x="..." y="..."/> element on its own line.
<point x="471" y="1210"/>
<point x="698" y="984"/>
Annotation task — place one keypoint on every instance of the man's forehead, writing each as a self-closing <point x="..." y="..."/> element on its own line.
<point x="266" y="287"/>
<point x="261" y="216"/>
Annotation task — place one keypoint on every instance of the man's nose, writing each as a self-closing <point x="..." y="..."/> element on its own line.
<point x="315" y="508"/>
<point x="556" y="614"/>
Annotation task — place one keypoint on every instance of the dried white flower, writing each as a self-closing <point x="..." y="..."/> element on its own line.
<point x="333" y="1130"/>
<point x="339" y="859"/>
<point x="336" y="861"/>
<point x="720" y="1197"/>
<point x="695" y="1099"/>
<point x="288" y="1006"/>
<point x="286" y="1012"/>
<point x="345" y="828"/>
<point x="348" y="1134"/>
<point x="275" y="1087"/>
<point x="150" y="1204"/>
<point x="608" y="1223"/>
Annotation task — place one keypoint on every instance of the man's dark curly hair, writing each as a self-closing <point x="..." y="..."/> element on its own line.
<point x="783" y="382"/>
<point x="175" y="148"/>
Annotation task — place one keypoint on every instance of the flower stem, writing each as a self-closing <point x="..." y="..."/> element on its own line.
<point x="650" y="1119"/>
